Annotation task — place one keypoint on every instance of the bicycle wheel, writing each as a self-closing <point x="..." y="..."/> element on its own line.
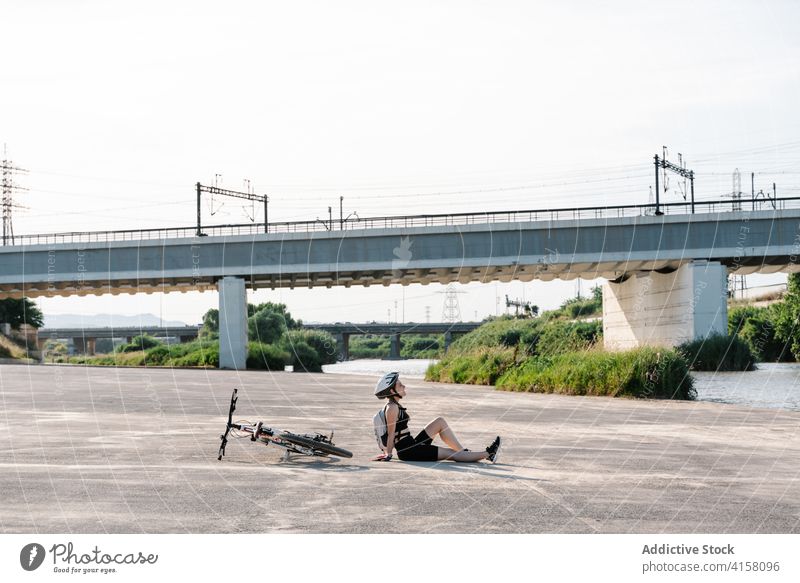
<point x="315" y="445"/>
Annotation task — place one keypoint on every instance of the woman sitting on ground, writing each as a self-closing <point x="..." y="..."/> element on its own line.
<point x="420" y="448"/>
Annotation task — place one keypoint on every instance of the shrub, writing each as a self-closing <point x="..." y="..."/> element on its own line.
<point x="303" y="357"/>
<point x="157" y="356"/>
<point x="758" y="328"/>
<point x="504" y="331"/>
<point x="205" y="355"/>
<point x="718" y="352"/>
<point x="560" y="336"/>
<point x="369" y="346"/>
<point x="414" y="346"/>
<point x="138" y="343"/>
<point x="266" y="356"/>
<point x="321" y="342"/>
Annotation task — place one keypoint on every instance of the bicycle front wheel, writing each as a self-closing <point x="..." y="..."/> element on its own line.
<point x="317" y="446"/>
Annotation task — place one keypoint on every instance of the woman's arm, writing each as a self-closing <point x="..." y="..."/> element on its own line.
<point x="391" y="422"/>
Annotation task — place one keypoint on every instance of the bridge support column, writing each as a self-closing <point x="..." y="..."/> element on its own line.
<point x="232" y="323"/>
<point x="90" y="346"/>
<point x="79" y="344"/>
<point x="343" y="341"/>
<point x="394" y="347"/>
<point x="448" y="340"/>
<point x="666" y="309"/>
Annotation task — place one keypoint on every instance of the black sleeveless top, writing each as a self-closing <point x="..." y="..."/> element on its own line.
<point x="401" y="425"/>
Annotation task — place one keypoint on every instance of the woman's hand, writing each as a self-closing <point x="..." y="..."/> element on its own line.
<point x="384" y="457"/>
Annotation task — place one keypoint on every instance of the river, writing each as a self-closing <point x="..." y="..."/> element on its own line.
<point x="772" y="386"/>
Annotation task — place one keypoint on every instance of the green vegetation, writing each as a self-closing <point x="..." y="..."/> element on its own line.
<point x="266" y="356"/>
<point x="309" y="349"/>
<point x="288" y="344"/>
<point x="559" y="353"/>
<point x="481" y="366"/>
<point x="369" y="346"/>
<point x="578" y="307"/>
<point x="718" y="352"/>
<point x="644" y="372"/>
<point x="422" y="346"/>
<point x="787" y="316"/>
<point x="20" y="311"/>
<point x="411" y="346"/>
<point x="547" y="334"/>
<point x="200" y="353"/>
<point x="139" y="343"/>
<point x="757" y="327"/>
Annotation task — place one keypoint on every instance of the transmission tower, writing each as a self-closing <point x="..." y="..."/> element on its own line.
<point x="9" y="188"/>
<point x="451" y="312"/>
<point x="737" y="286"/>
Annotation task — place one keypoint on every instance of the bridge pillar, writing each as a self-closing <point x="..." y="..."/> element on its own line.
<point x="232" y="323"/>
<point x="394" y="349"/>
<point x="90" y="346"/>
<point x="448" y="340"/>
<point x="343" y="341"/>
<point x="79" y="345"/>
<point x="666" y="309"/>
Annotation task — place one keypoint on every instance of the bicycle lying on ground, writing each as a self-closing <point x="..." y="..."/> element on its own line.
<point x="314" y="444"/>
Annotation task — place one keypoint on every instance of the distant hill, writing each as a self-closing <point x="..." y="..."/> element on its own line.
<point x="105" y="321"/>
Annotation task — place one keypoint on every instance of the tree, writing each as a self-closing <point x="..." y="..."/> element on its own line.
<point x="788" y="316"/>
<point x="20" y="311"/>
<point x="280" y="309"/>
<point x="266" y="326"/>
<point x="210" y="328"/>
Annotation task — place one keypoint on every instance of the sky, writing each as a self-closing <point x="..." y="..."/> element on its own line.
<point x="117" y="109"/>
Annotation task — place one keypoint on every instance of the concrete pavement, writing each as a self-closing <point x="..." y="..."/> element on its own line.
<point x="95" y="450"/>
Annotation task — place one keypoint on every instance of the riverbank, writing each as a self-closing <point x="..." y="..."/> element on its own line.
<point x="771" y="386"/>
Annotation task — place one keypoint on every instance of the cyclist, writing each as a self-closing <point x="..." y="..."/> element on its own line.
<point x="420" y="448"/>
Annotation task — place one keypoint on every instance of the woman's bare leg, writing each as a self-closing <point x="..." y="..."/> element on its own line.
<point x="445" y="453"/>
<point x="439" y="427"/>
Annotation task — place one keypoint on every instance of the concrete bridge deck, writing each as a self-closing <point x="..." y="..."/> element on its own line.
<point x="90" y="450"/>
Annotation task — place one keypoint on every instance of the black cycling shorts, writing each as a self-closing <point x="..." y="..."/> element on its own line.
<point x="417" y="449"/>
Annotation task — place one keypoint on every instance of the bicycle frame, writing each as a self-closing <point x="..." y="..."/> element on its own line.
<point x="266" y="435"/>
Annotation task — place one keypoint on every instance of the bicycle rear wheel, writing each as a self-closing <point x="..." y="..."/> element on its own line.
<point x="313" y="444"/>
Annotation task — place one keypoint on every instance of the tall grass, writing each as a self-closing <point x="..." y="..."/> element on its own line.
<point x="718" y="352"/>
<point x="643" y="372"/>
<point x="480" y="367"/>
<point x="199" y="353"/>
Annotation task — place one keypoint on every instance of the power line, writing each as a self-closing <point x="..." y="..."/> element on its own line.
<point x="9" y="187"/>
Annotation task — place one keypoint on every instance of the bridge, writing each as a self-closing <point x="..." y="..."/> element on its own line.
<point x="666" y="272"/>
<point x="343" y="331"/>
<point x="84" y="339"/>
